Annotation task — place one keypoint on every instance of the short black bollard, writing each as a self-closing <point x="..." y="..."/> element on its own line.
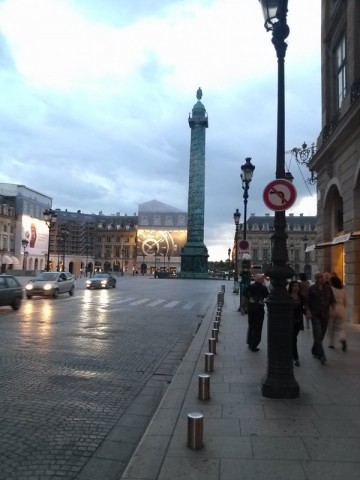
<point x="204" y="387"/>
<point x="209" y="362"/>
<point x="223" y="288"/>
<point x="212" y="345"/>
<point x="215" y="334"/>
<point x="217" y="324"/>
<point x="195" y="430"/>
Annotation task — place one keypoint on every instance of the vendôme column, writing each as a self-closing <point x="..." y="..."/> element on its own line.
<point x="194" y="256"/>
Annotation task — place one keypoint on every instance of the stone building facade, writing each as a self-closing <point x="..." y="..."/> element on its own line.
<point x="301" y="231"/>
<point x="337" y="160"/>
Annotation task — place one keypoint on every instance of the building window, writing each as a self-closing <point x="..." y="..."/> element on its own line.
<point x="340" y="70"/>
<point x="255" y="254"/>
<point x="169" y="221"/>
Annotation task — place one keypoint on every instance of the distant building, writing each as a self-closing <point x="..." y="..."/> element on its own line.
<point x="301" y="231"/>
<point x="161" y="234"/>
<point x="24" y="209"/>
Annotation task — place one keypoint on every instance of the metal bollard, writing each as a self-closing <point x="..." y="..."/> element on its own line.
<point x="195" y="430"/>
<point x="217" y="324"/>
<point x="209" y="362"/>
<point x="204" y="387"/>
<point x="215" y="334"/>
<point x="212" y="345"/>
<point x="223" y="288"/>
<point x="220" y="298"/>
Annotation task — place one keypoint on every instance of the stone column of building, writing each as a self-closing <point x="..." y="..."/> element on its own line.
<point x="194" y="256"/>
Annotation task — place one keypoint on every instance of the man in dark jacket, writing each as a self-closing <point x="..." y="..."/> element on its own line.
<point x="256" y="294"/>
<point x="318" y="301"/>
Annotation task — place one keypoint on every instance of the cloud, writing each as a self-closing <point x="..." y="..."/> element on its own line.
<point x="98" y="95"/>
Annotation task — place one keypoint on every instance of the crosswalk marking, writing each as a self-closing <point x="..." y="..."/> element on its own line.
<point x="172" y="304"/>
<point x="132" y="301"/>
<point x="157" y="302"/>
<point x="128" y="299"/>
<point x="188" y="306"/>
<point x="139" y="302"/>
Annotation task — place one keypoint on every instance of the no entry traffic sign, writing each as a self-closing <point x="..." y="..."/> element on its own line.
<point x="280" y="194"/>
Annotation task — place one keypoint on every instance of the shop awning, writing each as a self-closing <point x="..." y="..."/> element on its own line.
<point x="335" y="241"/>
<point x="15" y="261"/>
<point x="6" y="260"/>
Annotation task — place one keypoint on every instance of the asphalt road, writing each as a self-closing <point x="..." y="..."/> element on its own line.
<point x="71" y="369"/>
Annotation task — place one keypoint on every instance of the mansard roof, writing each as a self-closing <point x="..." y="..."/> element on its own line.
<point x="154" y="206"/>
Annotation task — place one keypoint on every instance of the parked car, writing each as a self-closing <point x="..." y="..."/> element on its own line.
<point x="11" y="292"/>
<point x="101" y="280"/>
<point x="51" y="284"/>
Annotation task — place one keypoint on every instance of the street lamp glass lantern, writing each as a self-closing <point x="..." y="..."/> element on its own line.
<point x="247" y="171"/>
<point x="270" y="10"/>
<point x="237" y="215"/>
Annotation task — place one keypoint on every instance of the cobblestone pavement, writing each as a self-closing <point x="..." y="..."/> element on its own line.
<point x="80" y="379"/>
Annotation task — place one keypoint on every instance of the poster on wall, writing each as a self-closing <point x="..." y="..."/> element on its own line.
<point x="166" y="243"/>
<point x="37" y="234"/>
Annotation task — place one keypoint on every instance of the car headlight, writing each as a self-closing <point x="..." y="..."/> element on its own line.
<point x="47" y="286"/>
<point x="88" y="282"/>
<point x="29" y="286"/>
<point x="103" y="282"/>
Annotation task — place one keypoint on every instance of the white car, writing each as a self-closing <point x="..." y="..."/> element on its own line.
<point x="51" y="284"/>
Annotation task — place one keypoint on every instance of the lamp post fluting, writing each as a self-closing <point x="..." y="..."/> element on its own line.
<point x="279" y="381"/>
<point x="237" y="216"/>
<point x="50" y="218"/>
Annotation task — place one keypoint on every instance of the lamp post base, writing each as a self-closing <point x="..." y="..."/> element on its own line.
<point x="279" y="380"/>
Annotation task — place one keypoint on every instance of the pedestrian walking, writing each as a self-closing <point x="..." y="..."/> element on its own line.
<point x="256" y="293"/>
<point x="298" y="315"/>
<point x="318" y="301"/>
<point x="337" y="313"/>
<point x="304" y="287"/>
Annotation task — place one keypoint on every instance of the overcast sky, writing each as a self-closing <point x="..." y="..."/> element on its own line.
<point x="95" y="97"/>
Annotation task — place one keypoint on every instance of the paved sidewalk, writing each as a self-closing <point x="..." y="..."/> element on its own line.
<point x="247" y="436"/>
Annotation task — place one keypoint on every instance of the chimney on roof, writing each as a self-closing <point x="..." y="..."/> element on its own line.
<point x="301" y="214"/>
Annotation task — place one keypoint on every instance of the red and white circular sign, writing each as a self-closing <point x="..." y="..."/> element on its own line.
<point x="244" y="245"/>
<point x="280" y="194"/>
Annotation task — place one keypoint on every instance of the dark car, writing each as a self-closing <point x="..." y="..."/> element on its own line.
<point x="10" y="292"/>
<point x="51" y="284"/>
<point x="101" y="280"/>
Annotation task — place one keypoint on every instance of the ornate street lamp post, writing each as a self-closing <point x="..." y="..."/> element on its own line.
<point x="155" y="250"/>
<point x="64" y="235"/>
<point x="237" y="215"/>
<point x="247" y="171"/>
<point x="246" y="176"/>
<point x="50" y="218"/>
<point x="279" y="381"/>
<point x="25" y="243"/>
